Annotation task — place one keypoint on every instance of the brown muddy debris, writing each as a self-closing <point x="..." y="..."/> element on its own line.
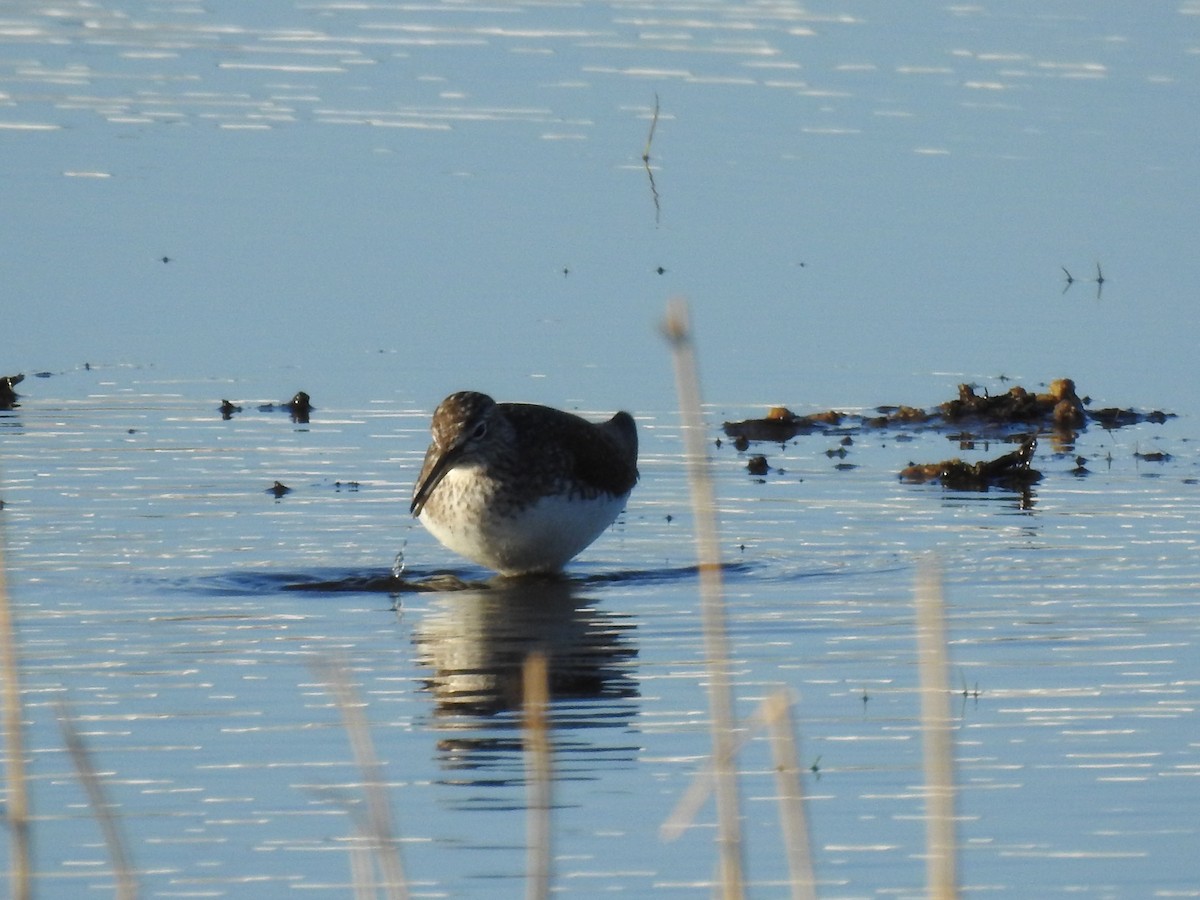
<point x="1059" y="406"/>
<point x="781" y="425"/>
<point x="897" y="415"/>
<point x="1058" y="409"/>
<point x="757" y="465"/>
<point x="1012" y="470"/>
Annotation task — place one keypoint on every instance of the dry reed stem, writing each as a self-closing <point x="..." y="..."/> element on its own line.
<point x="377" y="826"/>
<point x="777" y="711"/>
<point x="677" y="329"/>
<point x="362" y="872"/>
<point x="538" y="776"/>
<point x="940" y="838"/>
<point x="774" y="714"/>
<point x="362" y="866"/>
<point x="16" y="783"/>
<point x="110" y="826"/>
<point x="688" y="806"/>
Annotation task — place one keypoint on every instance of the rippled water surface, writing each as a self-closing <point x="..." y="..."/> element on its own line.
<point x="176" y="604"/>
<point x="378" y="203"/>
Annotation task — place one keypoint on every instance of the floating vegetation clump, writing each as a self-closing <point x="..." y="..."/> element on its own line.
<point x="1058" y="409"/>
<point x="1012" y="471"/>
<point x="1018" y="415"/>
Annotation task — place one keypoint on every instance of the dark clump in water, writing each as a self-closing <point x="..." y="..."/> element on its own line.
<point x="779" y="425"/>
<point x="8" y="397"/>
<point x="1012" y="471"/>
<point x="1060" y="406"/>
<point x="1058" y="409"/>
<point x="1152" y="456"/>
<point x="299" y="407"/>
<point x="1113" y="417"/>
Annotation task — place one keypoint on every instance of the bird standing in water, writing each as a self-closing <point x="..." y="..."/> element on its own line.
<point x="521" y="488"/>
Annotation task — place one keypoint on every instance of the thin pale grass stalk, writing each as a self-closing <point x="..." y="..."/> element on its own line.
<point x="17" y="785"/>
<point x="538" y="776"/>
<point x="774" y="714"/>
<point x="362" y="872"/>
<point x="362" y="866"/>
<point x="793" y="825"/>
<point x="689" y="804"/>
<point x="110" y="826"/>
<point x="377" y="830"/>
<point x="940" y="838"/>
<point x="677" y="328"/>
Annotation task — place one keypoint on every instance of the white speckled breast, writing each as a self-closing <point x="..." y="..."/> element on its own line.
<point x="541" y="537"/>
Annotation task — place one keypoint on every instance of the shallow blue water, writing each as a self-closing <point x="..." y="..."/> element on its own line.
<point x="175" y="603"/>
<point x="932" y="168"/>
<point x="379" y="204"/>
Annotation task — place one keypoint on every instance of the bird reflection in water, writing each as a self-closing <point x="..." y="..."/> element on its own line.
<point x="475" y="643"/>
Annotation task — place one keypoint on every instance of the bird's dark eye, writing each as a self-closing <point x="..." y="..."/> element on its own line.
<point x="479" y="432"/>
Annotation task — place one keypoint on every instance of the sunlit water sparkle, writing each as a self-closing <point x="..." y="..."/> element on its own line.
<point x="381" y="203"/>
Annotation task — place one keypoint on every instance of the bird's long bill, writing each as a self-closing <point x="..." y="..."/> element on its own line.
<point x="432" y="473"/>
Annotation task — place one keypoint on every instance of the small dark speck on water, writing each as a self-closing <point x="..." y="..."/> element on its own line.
<point x="278" y="489"/>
